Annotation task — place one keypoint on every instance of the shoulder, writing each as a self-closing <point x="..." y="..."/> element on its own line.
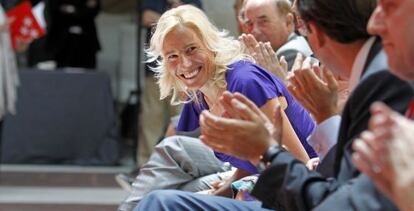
<point x="381" y="85"/>
<point x="254" y="82"/>
<point x="296" y="43"/>
<point x="245" y="71"/>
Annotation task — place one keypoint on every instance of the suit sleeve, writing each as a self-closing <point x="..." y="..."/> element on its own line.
<point x="289" y="185"/>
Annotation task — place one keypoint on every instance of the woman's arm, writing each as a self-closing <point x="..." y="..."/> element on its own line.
<point x="289" y="138"/>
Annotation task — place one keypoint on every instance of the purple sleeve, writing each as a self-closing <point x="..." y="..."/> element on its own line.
<point x="254" y="82"/>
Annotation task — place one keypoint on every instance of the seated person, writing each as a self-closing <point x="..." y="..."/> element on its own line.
<point x="201" y="62"/>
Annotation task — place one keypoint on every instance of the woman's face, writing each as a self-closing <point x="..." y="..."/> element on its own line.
<point x="187" y="58"/>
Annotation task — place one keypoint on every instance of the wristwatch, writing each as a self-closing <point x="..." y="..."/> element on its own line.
<point x="268" y="156"/>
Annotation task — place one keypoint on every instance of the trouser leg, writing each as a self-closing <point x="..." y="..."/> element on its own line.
<point x="185" y="201"/>
<point x="176" y="162"/>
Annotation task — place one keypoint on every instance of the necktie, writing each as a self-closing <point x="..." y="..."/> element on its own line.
<point x="410" y="111"/>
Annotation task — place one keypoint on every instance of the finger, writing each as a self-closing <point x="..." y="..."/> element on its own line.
<point x="330" y="79"/>
<point x="244" y="111"/>
<point x="213" y="144"/>
<point x="215" y="123"/>
<point x="378" y="146"/>
<point x="380" y="121"/>
<point x="220" y="126"/>
<point x="306" y="75"/>
<point x="251" y="41"/>
<point x="315" y="76"/>
<point x="258" y="55"/>
<point x="284" y="64"/>
<point x="272" y="54"/>
<point x="297" y="81"/>
<point x="366" y="155"/>
<point x="225" y="101"/>
<point x="266" y="56"/>
<point x="297" y="64"/>
<point x="362" y="160"/>
<point x="318" y="71"/>
<point x="248" y="47"/>
<point x="250" y="104"/>
<point x="380" y="107"/>
<point x="209" y="121"/>
<point x="371" y="141"/>
<point x="380" y="181"/>
<point x="295" y="90"/>
<point x="306" y="64"/>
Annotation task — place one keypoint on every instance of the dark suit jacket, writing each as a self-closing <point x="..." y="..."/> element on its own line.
<point x="289" y="185"/>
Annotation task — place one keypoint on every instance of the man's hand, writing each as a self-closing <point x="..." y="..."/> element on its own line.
<point x="385" y="153"/>
<point x="265" y="56"/>
<point x="315" y="88"/>
<point x="246" y="137"/>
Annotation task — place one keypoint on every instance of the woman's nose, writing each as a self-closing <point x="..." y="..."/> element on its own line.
<point x="186" y="61"/>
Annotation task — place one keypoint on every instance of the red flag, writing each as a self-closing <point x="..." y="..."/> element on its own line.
<point x="24" y="25"/>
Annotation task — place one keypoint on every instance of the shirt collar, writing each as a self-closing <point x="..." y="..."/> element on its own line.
<point x="359" y="63"/>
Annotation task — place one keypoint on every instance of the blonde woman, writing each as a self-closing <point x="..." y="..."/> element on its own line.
<point x="196" y="63"/>
<point x="200" y="62"/>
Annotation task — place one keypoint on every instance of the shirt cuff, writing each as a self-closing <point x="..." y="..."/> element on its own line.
<point x="325" y="136"/>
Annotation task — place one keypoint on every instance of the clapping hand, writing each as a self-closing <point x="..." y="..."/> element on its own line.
<point x="265" y="56"/>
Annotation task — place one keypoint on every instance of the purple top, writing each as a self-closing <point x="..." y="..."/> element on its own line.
<point x="258" y="85"/>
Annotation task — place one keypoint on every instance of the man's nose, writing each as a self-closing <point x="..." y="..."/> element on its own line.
<point x="376" y="25"/>
<point x="255" y="31"/>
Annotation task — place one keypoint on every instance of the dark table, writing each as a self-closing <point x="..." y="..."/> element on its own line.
<point x="62" y="118"/>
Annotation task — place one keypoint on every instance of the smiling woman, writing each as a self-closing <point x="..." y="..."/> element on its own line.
<point x="187" y="57"/>
<point x="196" y="63"/>
<point x="185" y="34"/>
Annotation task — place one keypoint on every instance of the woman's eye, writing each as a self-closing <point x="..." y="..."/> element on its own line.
<point x="191" y="49"/>
<point x="171" y="57"/>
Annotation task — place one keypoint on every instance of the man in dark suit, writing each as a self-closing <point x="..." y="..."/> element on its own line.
<point x="391" y="134"/>
<point x="337" y="34"/>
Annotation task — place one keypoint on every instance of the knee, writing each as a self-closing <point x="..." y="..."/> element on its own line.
<point x="174" y="143"/>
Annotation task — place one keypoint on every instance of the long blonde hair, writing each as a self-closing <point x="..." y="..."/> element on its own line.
<point x="226" y="49"/>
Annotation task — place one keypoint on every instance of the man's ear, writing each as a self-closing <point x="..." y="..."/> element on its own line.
<point x="319" y="36"/>
<point x="290" y="21"/>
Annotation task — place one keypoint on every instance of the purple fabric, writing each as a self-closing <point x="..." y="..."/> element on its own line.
<point x="258" y="85"/>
